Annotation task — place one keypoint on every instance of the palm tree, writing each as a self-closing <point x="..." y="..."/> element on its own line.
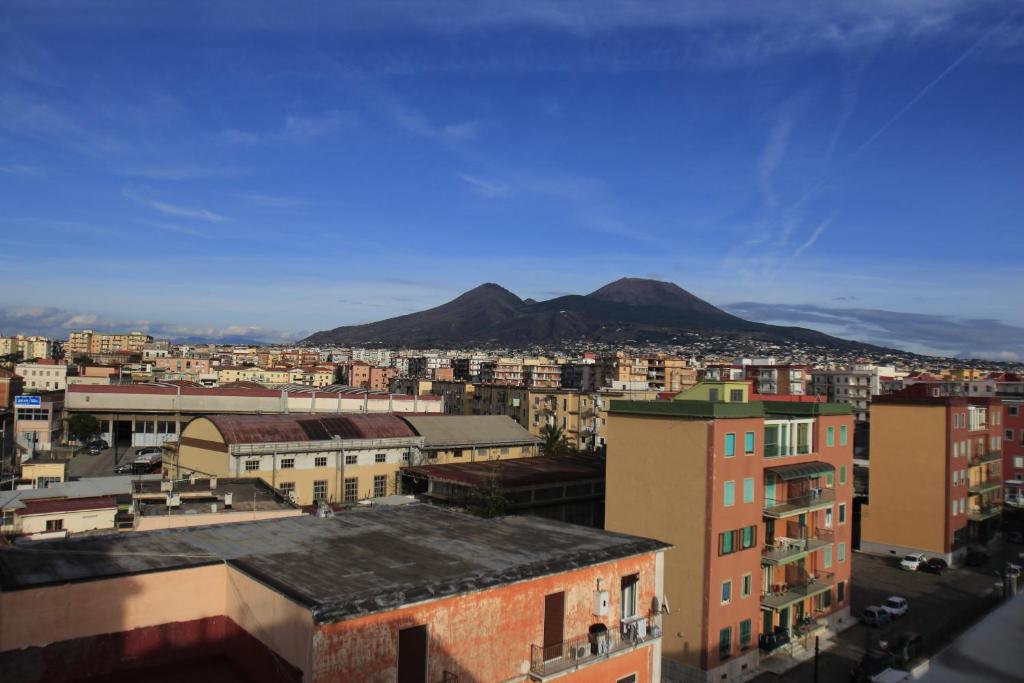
<point x="554" y="440"/>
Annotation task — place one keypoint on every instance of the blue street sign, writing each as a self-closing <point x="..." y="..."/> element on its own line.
<point x="28" y="401"/>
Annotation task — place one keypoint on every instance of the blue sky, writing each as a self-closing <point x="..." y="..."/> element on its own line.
<point x="271" y="169"/>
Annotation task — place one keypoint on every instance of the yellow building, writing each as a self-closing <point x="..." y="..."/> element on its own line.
<point x="717" y="392"/>
<point x="40" y="473"/>
<point x="458" y="396"/>
<point x="471" y="438"/>
<point x="26" y="347"/>
<point x="658" y="371"/>
<point x="87" y="341"/>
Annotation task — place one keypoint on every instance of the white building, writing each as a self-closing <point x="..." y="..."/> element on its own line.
<point x="43" y="375"/>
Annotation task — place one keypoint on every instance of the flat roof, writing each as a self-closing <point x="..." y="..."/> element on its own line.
<point x="247" y="494"/>
<point x="519" y="472"/>
<point x="439" y="431"/>
<point x="351" y="565"/>
<point x="291" y="427"/>
<point x="720" y="409"/>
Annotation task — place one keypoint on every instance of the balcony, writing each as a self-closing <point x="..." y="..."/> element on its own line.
<point x="786" y="549"/>
<point x="554" y="660"/>
<point x="986" y="458"/>
<point x="983" y="512"/>
<point x="815" y="499"/>
<point x="984" y="487"/>
<point x="783" y="595"/>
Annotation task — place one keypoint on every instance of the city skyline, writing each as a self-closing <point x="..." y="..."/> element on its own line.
<point x="853" y="169"/>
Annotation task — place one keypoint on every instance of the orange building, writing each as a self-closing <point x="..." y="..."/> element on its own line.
<point x="379" y="595"/>
<point x="756" y="498"/>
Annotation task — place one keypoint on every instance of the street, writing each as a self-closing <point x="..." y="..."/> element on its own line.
<point x="941" y="606"/>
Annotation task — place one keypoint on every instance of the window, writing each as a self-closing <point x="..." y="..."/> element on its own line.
<point x="1008" y="434"/>
<point x="55" y="525"/>
<point x="727" y="591"/>
<point x="631" y="678"/>
<point x="841" y="552"/>
<point x="953" y="513"/>
<point x="726" y="543"/>
<point x="828" y="518"/>
<point x="1018" y="461"/>
<point x="736" y="395"/>
<point x="843" y="436"/>
<point x="748" y="490"/>
<point x="405" y="456"/>
<point x="712" y="394"/>
<point x="380" y="485"/>
<point x="746" y="585"/>
<point x="287" y="463"/>
<point x="627" y="595"/>
<point x="963" y="505"/>
<point x="771" y="441"/>
<point x="725" y="642"/>
<point x="830" y="438"/>
<point x="748" y="443"/>
<point x="745" y="634"/>
<point x="840" y="591"/>
<point x="830" y="479"/>
<point x="730" y="445"/>
<point x="457" y="453"/>
<point x="351" y="489"/>
<point x="826" y="556"/>
<point x="320" y="489"/>
<point x="320" y="461"/>
<point x="749" y="536"/>
<point x="803" y="438"/>
<point x="842" y="474"/>
<point x="380" y="457"/>
<point x="729" y="494"/>
<point x="842" y="513"/>
<point x="252" y="465"/>
<point x="1014" y="410"/>
<point x="351" y="459"/>
<point x="286" y="487"/>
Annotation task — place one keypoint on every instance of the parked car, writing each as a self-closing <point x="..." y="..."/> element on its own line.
<point x="123" y="468"/>
<point x="912" y="561"/>
<point x="875" y="616"/>
<point x="895" y="606"/>
<point x="976" y="558"/>
<point x="933" y="565"/>
<point x="98" y="443"/>
<point x="148" y="450"/>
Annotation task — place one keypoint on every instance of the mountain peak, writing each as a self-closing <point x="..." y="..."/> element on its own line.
<point x="488" y="291"/>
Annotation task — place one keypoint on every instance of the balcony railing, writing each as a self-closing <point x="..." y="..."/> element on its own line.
<point x="984" y="487"/>
<point x="774" y="450"/>
<point x="987" y="457"/>
<point x="586" y="649"/>
<point x="783" y="595"/>
<point x="816" y="498"/>
<point x="983" y="512"/>
<point x="785" y="549"/>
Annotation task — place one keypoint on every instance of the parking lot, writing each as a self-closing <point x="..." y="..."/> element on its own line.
<point x="101" y="465"/>
<point x="941" y="606"/>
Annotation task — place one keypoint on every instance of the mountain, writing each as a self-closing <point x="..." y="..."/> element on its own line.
<point x="630" y="309"/>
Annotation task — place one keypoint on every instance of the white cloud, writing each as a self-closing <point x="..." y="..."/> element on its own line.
<point x="485" y="188"/>
<point x="196" y="213"/>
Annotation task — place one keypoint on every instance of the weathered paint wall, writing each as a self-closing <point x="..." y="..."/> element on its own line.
<point x="40" y="616"/>
<point x="486" y="636"/>
<point x="282" y="625"/>
<point x="650" y="472"/>
<point x="174" y="521"/>
<point x="74" y="522"/>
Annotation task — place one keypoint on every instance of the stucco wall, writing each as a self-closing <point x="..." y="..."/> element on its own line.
<point x="175" y="521"/>
<point x="486" y="636"/>
<point x="74" y="522"/>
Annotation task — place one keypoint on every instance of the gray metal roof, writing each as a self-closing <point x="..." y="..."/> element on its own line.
<point x="79" y="488"/>
<point x="802" y="469"/>
<point x="441" y="431"/>
<point x="350" y="565"/>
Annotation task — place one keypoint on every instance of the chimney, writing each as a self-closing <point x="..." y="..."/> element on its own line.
<point x="227" y="500"/>
<point x="213" y="507"/>
<point x="213" y="483"/>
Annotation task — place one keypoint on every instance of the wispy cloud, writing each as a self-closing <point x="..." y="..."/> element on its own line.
<point x="772" y="156"/>
<point x="19" y="169"/>
<point x="184" y="172"/>
<point x="273" y="201"/>
<point x="936" y="334"/>
<point x="813" y="237"/>
<point x="196" y="213"/>
<point x="485" y="188"/>
<point x="298" y="129"/>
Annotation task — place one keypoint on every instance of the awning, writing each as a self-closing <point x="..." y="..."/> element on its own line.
<point x="802" y="469"/>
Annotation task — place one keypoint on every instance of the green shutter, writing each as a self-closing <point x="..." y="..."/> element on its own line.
<point x="831" y="436"/>
<point x="842" y="435"/>
<point x="842" y="474"/>
<point x="748" y="490"/>
<point x="730" y="445"/>
<point x="730" y="493"/>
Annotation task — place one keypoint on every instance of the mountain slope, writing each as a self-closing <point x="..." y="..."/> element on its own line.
<point x="630" y="309"/>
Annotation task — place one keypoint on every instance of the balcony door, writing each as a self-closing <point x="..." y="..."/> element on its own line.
<point x="412" y="655"/>
<point x="554" y="625"/>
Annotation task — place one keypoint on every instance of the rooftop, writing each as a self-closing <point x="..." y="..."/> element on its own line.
<point x="439" y="431"/>
<point x="347" y="566"/>
<point x="518" y="472"/>
<point x="248" y="494"/>
<point x="265" y="428"/>
<point x="716" y="409"/>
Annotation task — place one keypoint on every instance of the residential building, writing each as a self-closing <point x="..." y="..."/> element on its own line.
<point x="153" y="414"/>
<point x="44" y="374"/>
<point x="770" y="377"/>
<point x="330" y="458"/>
<point x="658" y="372"/>
<point x="506" y="371"/>
<point x="42" y="472"/>
<point x="38" y="423"/>
<point x="1013" y="451"/>
<point x="471" y="438"/>
<point x="467" y="368"/>
<point x="11" y="385"/>
<point x="26" y="348"/>
<point x="580" y="375"/>
<point x="567" y="488"/>
<point x="853" y="386"/>
<point x="456" y="396"/>
<point x="412" y="386"/>
<point x="935" y="482"/>
<point x="90" y="343"/>
<point x="541" y="373"/>
<point x="756" y="498"/>
<point x="379" y="595"/>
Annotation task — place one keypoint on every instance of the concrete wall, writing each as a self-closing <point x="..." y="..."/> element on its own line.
<point x="650" y="472"/>
<point x="74" y="522"/>
<point x="175" y="521"/>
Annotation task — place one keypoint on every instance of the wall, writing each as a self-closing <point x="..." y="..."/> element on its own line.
<point x="486" y="636"/>
<point x="34" y="470"/>
<point x="175" y="521"/>
<point x="657" y="487"/>
<point x="908" y="490"/>
<point x="74" y="522"/>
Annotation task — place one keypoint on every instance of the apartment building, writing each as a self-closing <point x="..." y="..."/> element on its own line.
<point x="38" y="423"/>
<point x="658" y="372"/>
<point x="457" y="396"/>
<point x="507" y="371"/>
<point x="520" y="598"/>
<point x="779" y="379"/>
<point x="26" y="348"/>
<point x="853" y="386"/>
<point x="580" y="375"/>
<point x="467" y="368"/>
<point x="756" y="498"/>
<point x="936" y="482"/>
<point x="44" y="374"/>
<point x="90" y="343"/>
<point x="1013" y="451"/>
<point x="541" y="373"/>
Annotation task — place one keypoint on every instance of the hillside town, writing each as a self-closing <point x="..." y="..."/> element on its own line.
<point x="695" y="516"/>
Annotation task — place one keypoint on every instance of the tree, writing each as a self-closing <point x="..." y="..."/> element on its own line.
<point x="488" y="501"/>
<point x="554" y="441"/>
<point x="83" y="360"/>
<point x="83" y="426"/>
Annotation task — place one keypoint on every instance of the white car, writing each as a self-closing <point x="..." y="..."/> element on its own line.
<point x="895" y="606"/>
<point x="912" y="561"/>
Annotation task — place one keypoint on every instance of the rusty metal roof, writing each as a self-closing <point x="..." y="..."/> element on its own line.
<point x="541" y="469"/>
<point x="238" y="429"/>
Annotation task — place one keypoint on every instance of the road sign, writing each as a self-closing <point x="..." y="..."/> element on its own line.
<point x="28" y="401"/>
